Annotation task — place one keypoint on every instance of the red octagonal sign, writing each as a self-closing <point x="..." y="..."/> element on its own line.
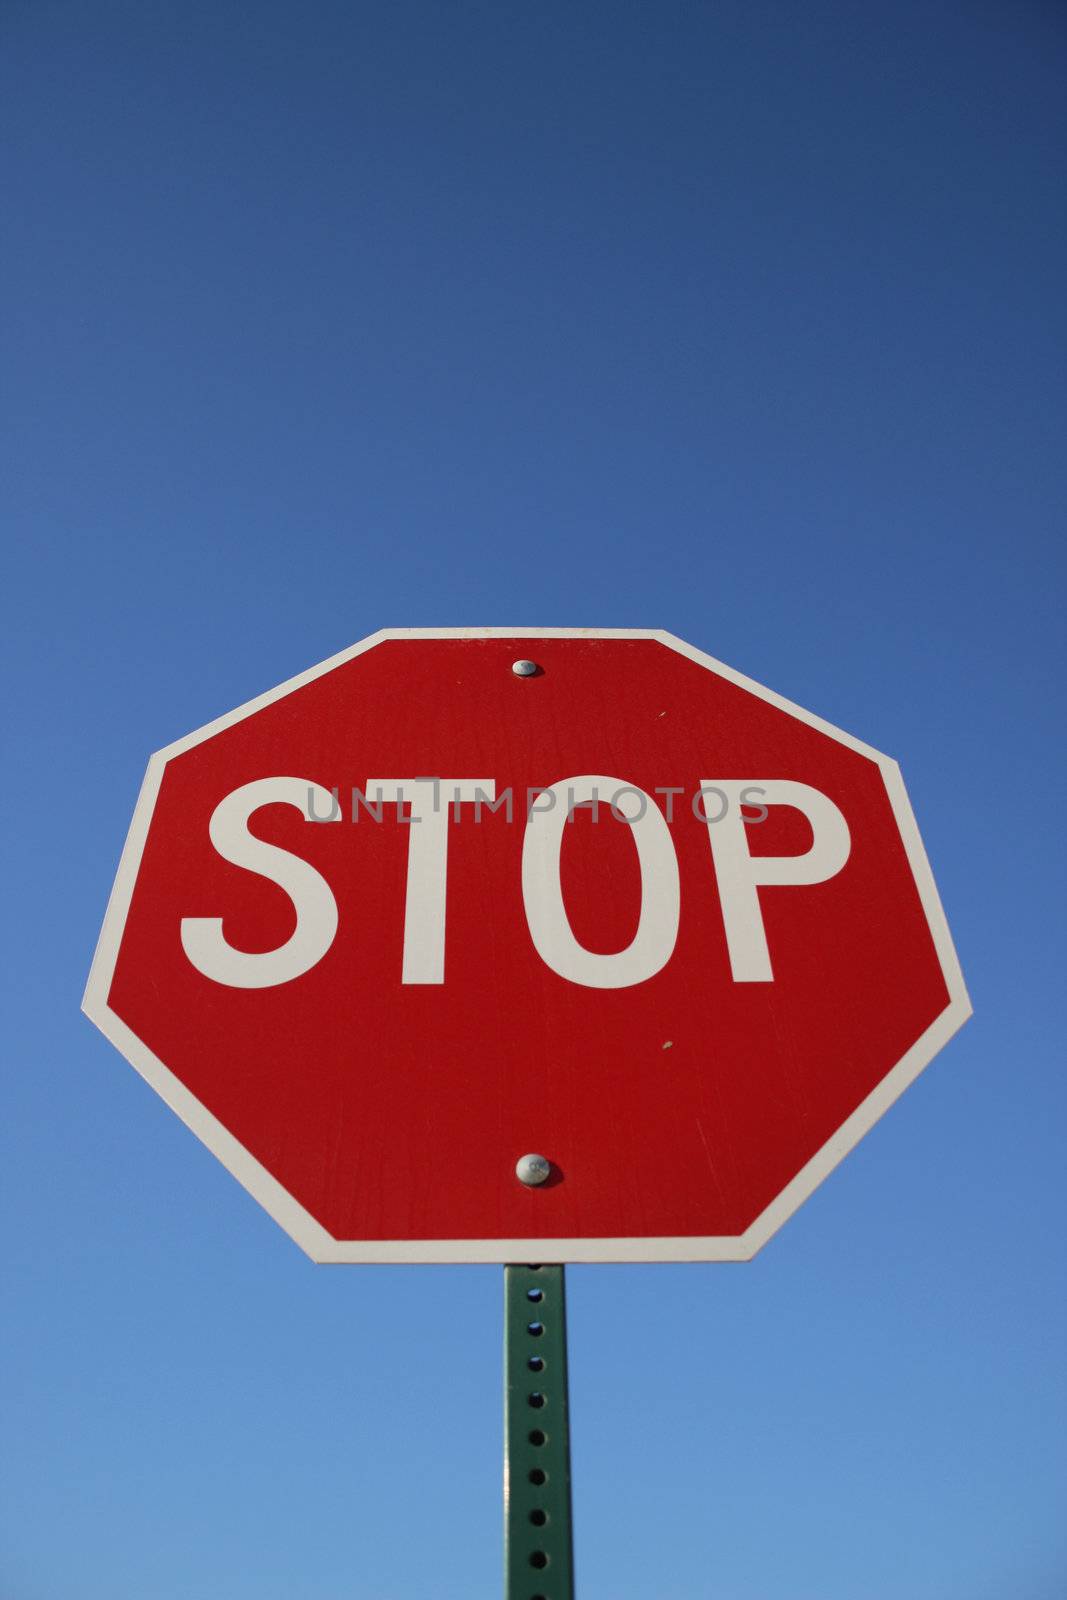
<point x="458" y="897"/>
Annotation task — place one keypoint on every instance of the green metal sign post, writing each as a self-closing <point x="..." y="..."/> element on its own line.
<point x="538" y="1552"/>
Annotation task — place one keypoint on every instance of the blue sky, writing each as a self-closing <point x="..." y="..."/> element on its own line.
<point x="741" y="320"/>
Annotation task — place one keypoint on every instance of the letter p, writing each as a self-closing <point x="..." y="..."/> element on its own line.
<point x="740" y="875"/>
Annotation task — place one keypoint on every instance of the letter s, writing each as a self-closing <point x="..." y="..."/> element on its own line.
<point x="316" y="909"/>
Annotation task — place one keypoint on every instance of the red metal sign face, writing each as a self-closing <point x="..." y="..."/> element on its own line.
<point x="414" y="915"/>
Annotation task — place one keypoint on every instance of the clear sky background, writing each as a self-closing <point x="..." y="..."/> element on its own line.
<point x="739" y="319"/>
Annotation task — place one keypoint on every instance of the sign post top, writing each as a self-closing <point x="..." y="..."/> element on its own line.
<point x="586" y="893"/>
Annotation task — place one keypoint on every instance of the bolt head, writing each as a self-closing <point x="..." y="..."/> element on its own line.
<point x="532" y="1170"/>
<point x="524" y="669"/>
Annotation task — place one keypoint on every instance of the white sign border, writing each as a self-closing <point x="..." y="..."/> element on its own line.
<point x="301" y="1226"/>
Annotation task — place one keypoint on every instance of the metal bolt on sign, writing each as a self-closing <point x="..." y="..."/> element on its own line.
<point x="538" y="1551"/>
<point x="533" y="1170"/>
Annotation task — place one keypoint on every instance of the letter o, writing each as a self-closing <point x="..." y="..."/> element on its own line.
<point x="657" y="926"/>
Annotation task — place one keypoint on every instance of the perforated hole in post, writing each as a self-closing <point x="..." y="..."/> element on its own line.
<point x="536" y="1400"/>
<point x="535" y="1363"/>
<point x="538" y="1559"/>
<point x="538" y="1476"/>
<point x="535" y="1294"/>
<point x="535" y="1329"/>
<point x="536" y="1438"/>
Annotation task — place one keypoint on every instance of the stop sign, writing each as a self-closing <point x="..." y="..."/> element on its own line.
<point x="457" y="897"/>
